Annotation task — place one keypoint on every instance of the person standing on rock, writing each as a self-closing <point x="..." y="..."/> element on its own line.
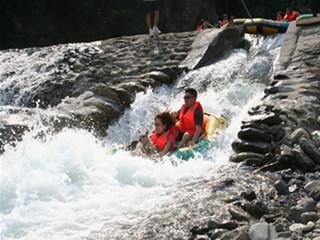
<point x="151" y="7"/>
<point x="191" y="120"/>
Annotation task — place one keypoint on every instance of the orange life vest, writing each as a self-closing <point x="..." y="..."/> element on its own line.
<point x="160" y="141"/>
<point x="186" y="119"/>
<point x="293" y="16"/>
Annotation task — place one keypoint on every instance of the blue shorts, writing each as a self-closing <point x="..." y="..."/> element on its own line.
<point x="151" y="6"/>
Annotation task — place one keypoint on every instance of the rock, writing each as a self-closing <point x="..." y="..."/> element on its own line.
<point x="298" y="133"/>
<point x="238" y="214"/>
<point x="254" y="134"/>
<point x="201" y="237"/>
<point x="312" y="185"/>
<point x="304" y="161"/>
<point x="159" y="76"/>
<point x="271" y="119"/>
<point x="297" y="227"/>
<point x="284" y="235"/>
<point x="242" y="156"/>
<point x="216" y="234"/>
<point x="229" y="225"/>
<point x="318" y="206"/>
<point x="210" y="45"/>
<point x="311" y="150"/>
<point x="256" y="208"/>
<point x="304" y="205"/>
<point x="281" y="224"/>
<point x="309" y="216"/>
<point x="237" y="234"/>
<point x="262" y="231"/>
<point x="281" y="187"/>
<point x="256" y="147"/>
<point x="288" y="156"/>
<point x="249" y="195"/>
<point x="197" y="230"/>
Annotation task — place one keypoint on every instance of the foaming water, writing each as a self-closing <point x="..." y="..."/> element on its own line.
<point x="66" y="186"/>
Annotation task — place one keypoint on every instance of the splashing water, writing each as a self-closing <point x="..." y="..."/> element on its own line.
<point x="65" y="186"/>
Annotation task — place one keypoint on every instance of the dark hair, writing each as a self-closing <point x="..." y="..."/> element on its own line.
<point x="166" y="118"/>
<point x="192" y="91"/>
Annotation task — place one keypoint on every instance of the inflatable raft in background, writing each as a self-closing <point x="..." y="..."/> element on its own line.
<point x="307" y="19"/>
<point x="215" y="124"/>
<point x="260" y="26"/>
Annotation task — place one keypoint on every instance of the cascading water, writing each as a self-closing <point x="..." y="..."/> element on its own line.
<point x="66" y="187"/>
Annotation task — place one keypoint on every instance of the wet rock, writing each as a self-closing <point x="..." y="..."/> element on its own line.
<point x="216" y="234"/>
<point x="256" y="147"/>
<point x="205" y="50"/>
<point x="249" y="195"/>
<point x="304" y="205"/>
<point x="281" y="224"/>
<point x="299" y="133"/>
<point x="229" y="225"/>
<point x="297" y="227"/>
<point x="198" y="230"/>
<point x="288" y="156"/>
<point x="262" y="231"/>
<point x="256" y="208"/>
<point x="271" y="119"/>
<point x="254" y="134"/>
<point x="311" y="150"/>
<point x="242" y="156"/>
<point x="237" y="234"/>
<point x="201" y="237"/>
<point x="159" y="76"/>
<point x="309" y="216"/>
<point x="238" y="214"/>
<point x="304" y="161"/>
<point x="312" y="185"/>
<point x="285" y="235"/>
<point x="281" y="187"/>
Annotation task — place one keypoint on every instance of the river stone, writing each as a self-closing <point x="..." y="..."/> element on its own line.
<point x="309" y="216"/>
<point x="216" y="234"/>
<point x="298" y="133"/>
<point x="312" y="185"/>
<point x="240" y="233"/>
<point x="256" y="208"/>
<point x="281" y="187"/>
<point x="304" y="205"/>
<point x="310" y="149"/>
<point x="271" y="119"/>
<point x="304" y="161"/>
<point x="249" y="195"/>
<point x="229" y="225"/>
<point x="316" y="137"/>
<point x="256" y="147"/>
<point x="238" y="213"/>
<point x="254" y="134"/>
<point x="159" y="76"/>
<point x="262" y="231"/>
<point x="201" y="237"/>
<point x="242" y="156"/>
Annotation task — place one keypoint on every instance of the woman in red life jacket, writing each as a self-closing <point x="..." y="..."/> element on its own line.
<point x="165" y="133"/>
<point x="291" y="15"/>
<point x="191" y="122"/>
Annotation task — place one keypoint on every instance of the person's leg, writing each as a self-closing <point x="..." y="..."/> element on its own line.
<point x="148" y="20"/>
<point x="156" y="18"/>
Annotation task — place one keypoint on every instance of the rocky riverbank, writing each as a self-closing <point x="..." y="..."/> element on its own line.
<point x="90" y="85"/>
<point x="282" y="136"/>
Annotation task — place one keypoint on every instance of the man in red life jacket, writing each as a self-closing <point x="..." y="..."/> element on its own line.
<point x="290" y="15"/>
<point x="191" y="121"/>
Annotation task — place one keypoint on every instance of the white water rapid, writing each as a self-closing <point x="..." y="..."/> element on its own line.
<point x="66" y="187"/>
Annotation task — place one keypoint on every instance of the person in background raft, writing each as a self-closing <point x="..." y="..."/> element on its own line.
<point x="191" y="121"/>
<point x="279" y="16"/>
<point x="151" y="7"/>
<point x="291" y="15"/>
<point x="225" y="21"/>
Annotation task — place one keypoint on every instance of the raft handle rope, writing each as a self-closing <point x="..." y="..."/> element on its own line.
<point x="247" y="10"/>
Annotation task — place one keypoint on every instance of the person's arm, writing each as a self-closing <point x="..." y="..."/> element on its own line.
<point x="198" y="117"/>
<point x="167" y="147"/>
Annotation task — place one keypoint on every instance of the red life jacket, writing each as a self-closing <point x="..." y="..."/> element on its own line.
<point x="161" y="140"/>
<point x="186" y="120"/>
<point x="293" y="16"/>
